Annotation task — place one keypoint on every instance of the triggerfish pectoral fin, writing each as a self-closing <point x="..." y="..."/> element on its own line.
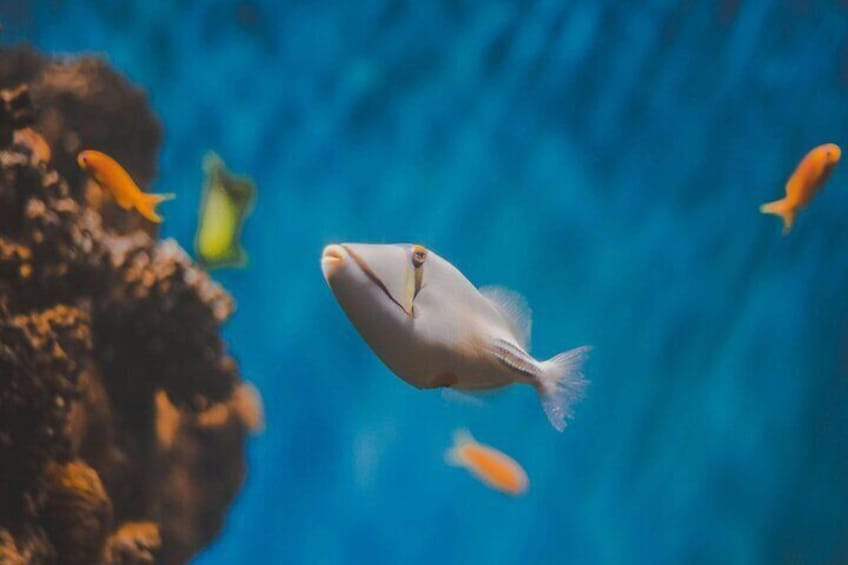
<point x="783" y="209"/>
<point x="148" y="203"/>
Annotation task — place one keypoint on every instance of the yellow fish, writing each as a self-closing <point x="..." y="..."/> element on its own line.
<point x="227" y="201"/>
<point x="113" y="178"/>
<point x="809" y="177"/>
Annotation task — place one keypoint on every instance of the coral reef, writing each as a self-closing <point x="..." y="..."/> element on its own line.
<point x="122" y="418"/>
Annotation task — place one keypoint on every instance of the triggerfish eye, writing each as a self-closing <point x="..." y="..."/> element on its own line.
<point x="419" y="255"/>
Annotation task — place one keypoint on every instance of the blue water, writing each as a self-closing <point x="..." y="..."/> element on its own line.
<point x="607" y="162"/>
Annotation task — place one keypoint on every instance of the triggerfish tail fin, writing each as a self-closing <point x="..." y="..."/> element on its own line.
<point x="149" y="202"/>
<point x="561" y="384"/>
<point x="453" y="456"/>
<point x="783" y="209"/>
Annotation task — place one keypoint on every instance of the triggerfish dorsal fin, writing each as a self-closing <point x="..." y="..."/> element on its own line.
<point x="514" y="309"/>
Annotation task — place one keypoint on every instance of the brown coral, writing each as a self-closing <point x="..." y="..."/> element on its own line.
<point x="80" y="103"/>
<point x="135" y="543"/>
<point x="38" y="383"/>
<point x="122" y="419"/>
<point x="77" y="512"/>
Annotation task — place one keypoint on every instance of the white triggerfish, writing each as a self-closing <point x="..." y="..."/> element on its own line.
<point x="433" y="328"/>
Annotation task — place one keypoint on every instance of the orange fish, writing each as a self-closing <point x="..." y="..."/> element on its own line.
<point x="809" y="176"/>
<point x="112" y="177"/>
<point x="496" y="469"/>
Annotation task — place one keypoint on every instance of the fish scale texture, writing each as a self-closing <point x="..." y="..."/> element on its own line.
<point x="607" y="160"/>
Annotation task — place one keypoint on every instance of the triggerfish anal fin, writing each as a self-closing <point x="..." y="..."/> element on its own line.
<point x="227" y="201"/>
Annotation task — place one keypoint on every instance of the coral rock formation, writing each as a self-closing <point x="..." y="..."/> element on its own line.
<point x="122" y="418"/>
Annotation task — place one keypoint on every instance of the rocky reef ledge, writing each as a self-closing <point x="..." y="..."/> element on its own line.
<point x="122" y="419"/>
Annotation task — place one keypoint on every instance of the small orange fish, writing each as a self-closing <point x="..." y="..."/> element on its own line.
<point x="809" y="176"/>
<point x="496" y="469"/>
<point x="112" y="177"/>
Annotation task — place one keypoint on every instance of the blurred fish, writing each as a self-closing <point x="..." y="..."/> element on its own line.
<point x="36" y="143"/>
<point x="112" y="177"/>
<point x="433" y="328"/>
<point x="227" y="200"/>
<point x="498" y="470"/>
<point x="809" y="177"/>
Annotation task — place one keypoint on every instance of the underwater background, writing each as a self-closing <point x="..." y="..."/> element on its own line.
<point x="606" y="160"/>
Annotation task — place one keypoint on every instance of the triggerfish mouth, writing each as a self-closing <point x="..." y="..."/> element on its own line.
<point x="433" y="328"/>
